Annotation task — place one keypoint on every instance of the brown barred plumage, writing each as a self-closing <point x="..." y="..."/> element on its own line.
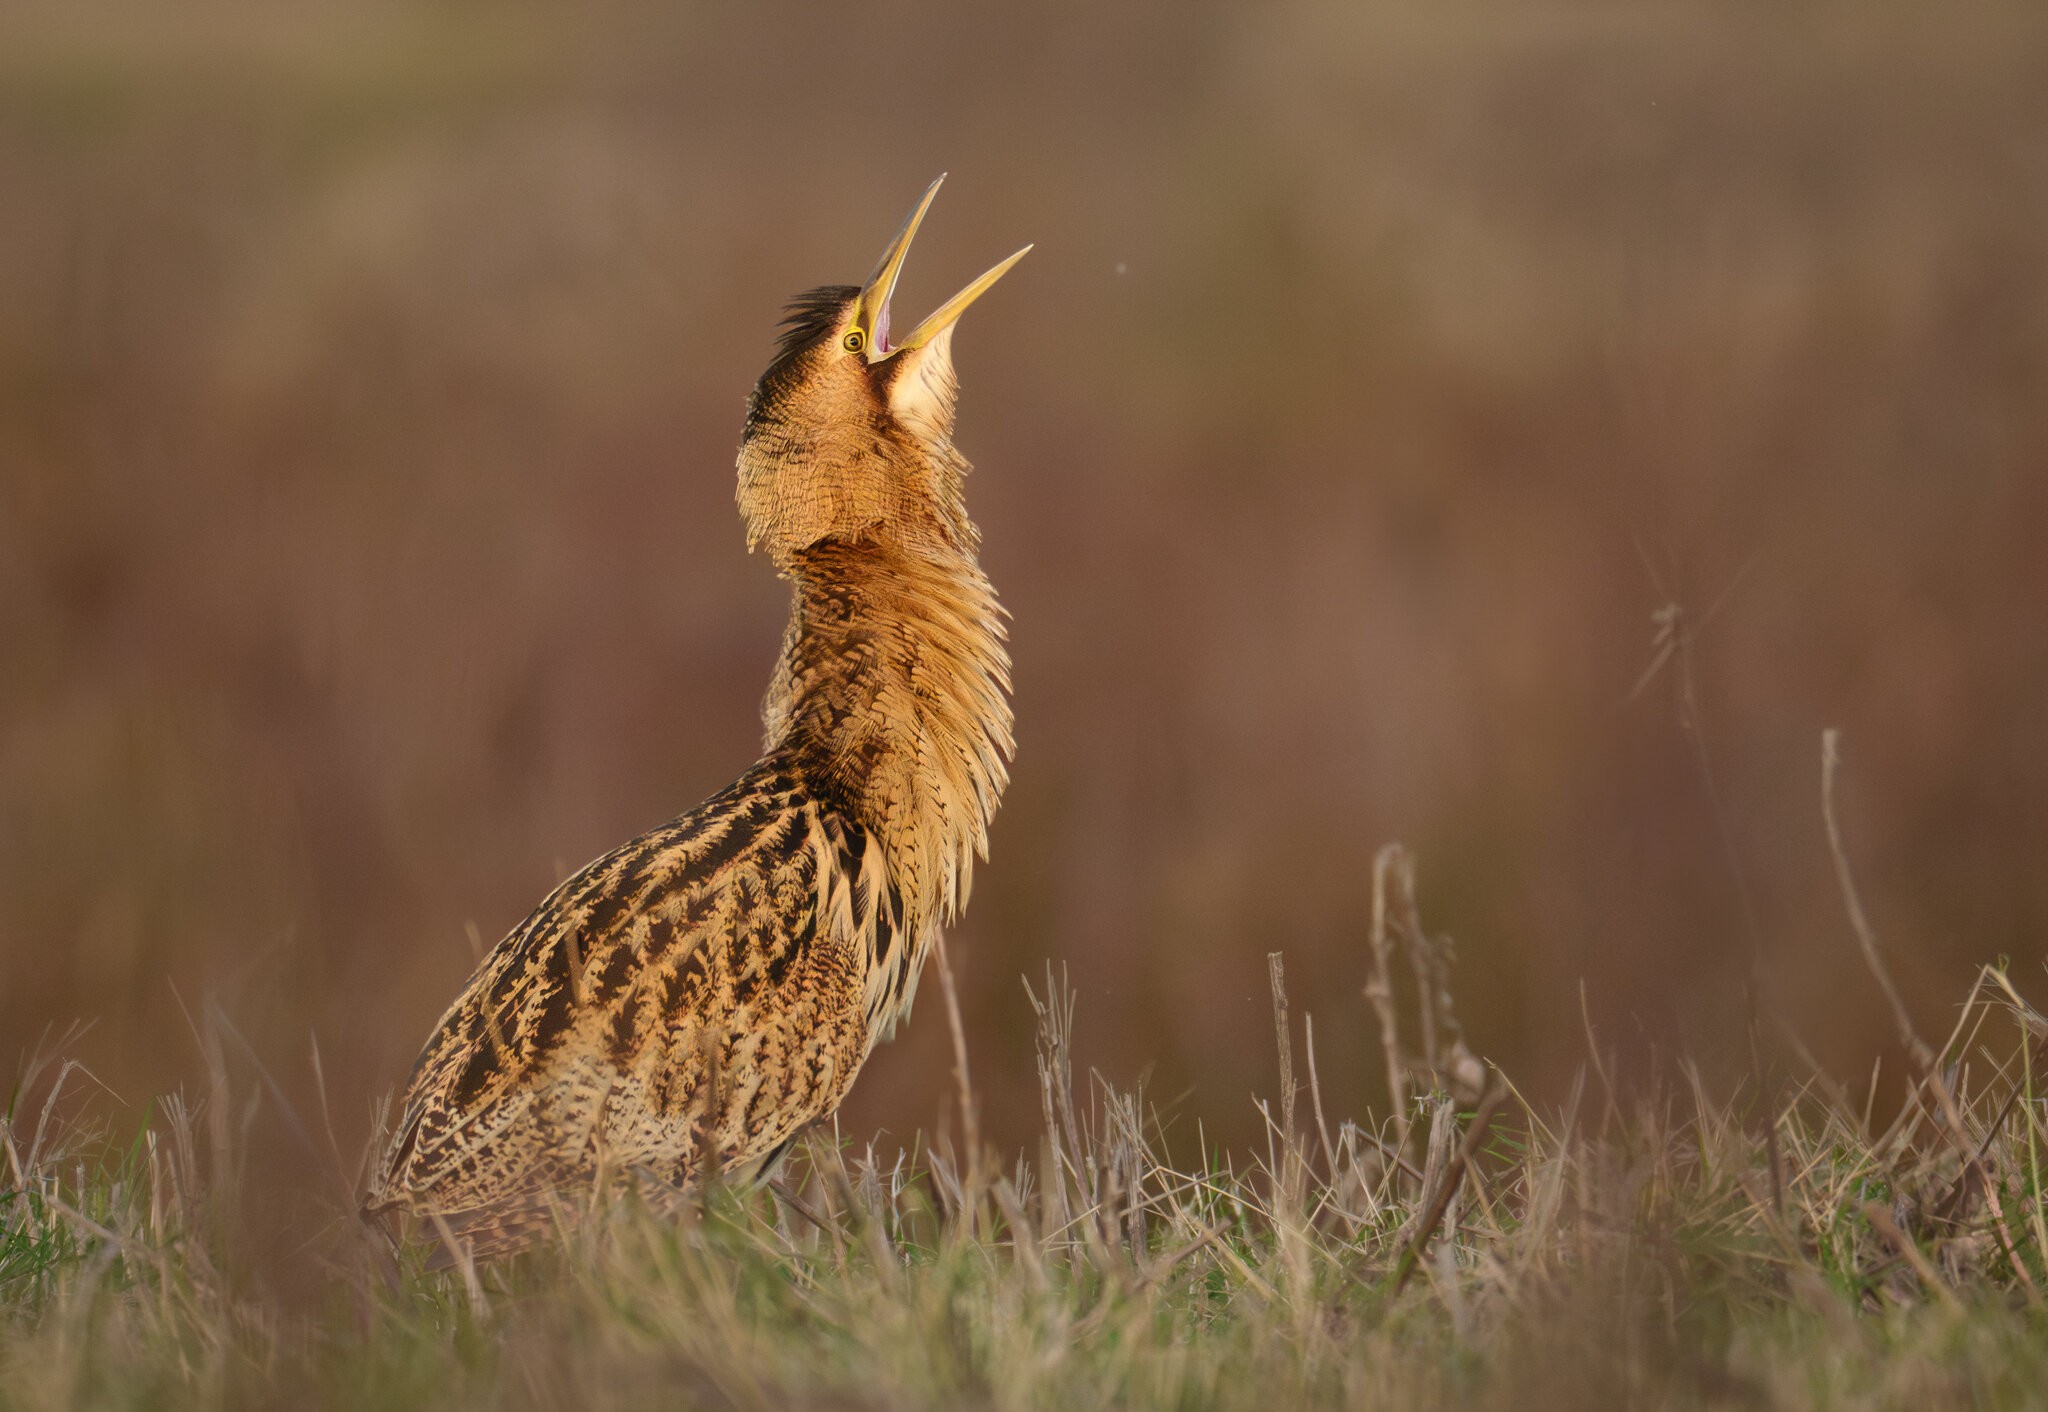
<point x="702" y="993"/>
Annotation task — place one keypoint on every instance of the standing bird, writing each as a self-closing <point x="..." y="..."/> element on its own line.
<point x="690" y="1001"/>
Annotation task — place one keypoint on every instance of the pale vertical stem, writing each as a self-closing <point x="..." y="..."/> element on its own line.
<point x="1379" y="989"/>
<point x="970" y="1122"/>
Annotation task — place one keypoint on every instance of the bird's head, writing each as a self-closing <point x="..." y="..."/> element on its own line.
<point x="850" y="431"/>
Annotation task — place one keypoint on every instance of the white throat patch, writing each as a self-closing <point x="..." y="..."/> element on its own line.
<point x="921" y="396"/>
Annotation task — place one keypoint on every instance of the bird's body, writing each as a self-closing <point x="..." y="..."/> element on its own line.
<point x="690" y="1001"/>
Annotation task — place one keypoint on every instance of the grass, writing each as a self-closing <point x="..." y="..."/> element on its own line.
<point x="1773" y="1249"/>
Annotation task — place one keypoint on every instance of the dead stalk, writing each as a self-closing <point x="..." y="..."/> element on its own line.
<point x="1390" y="867"/>
<point x="970" y="1120"/>
<point x="1447" y="1184"/>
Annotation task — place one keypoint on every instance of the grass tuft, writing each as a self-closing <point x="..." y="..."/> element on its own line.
<point x="1464" y="1250"/>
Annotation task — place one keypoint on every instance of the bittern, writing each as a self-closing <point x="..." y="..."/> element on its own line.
<point x="690" y="1001"/>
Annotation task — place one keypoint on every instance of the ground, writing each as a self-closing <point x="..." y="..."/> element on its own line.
<point x="1770" y="1248"/>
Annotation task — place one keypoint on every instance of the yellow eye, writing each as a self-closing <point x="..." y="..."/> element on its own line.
<point x="854" y="341"/>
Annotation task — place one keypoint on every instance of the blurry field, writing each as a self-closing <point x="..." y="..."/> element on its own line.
<point x="370" y="377"/>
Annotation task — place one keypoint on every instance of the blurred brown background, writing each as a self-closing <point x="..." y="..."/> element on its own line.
<point x="370" y="376"/>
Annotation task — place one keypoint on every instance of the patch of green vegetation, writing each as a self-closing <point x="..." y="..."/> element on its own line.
<point x="1773" y="1251"/>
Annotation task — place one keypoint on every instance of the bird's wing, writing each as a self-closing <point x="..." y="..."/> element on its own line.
<point x="698" y="991"/>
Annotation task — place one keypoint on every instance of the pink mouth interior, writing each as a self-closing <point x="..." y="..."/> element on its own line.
<point x="882" y="329"/>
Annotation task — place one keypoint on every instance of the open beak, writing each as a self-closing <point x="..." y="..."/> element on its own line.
<point x="872" y="313"/>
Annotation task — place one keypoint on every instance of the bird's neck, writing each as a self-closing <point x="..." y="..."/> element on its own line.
<point x="893" y="693"/>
